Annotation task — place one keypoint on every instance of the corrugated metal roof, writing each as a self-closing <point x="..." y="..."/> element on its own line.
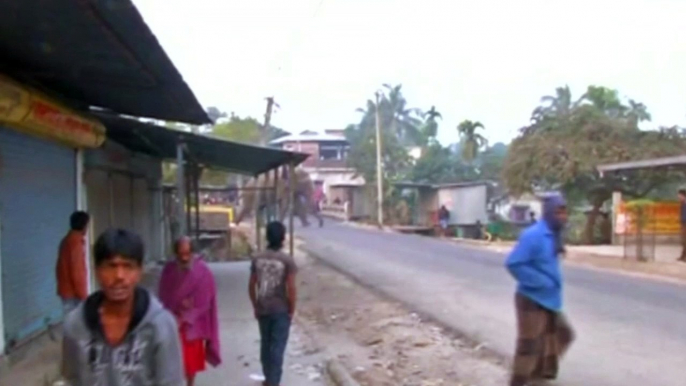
<point x="94" y="53"/>
<point x="212" y="152"/>
<point x="305" y="137"/>
<point x="644" y="164"/>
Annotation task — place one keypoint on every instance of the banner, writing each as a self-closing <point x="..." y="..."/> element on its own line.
<point x="660" y="218"/>
<point x="29" y="112"/>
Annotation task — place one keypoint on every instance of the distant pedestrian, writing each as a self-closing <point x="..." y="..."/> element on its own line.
<point x="443" y="220"/>
<point x="121" y="335"/>
<point x="532" y="217"/>
<point x="188" y="290"/>
<point x="72" y="274"/>
<point x="543" y="333"/>
<point x="682" y="220"/>
<point x="273" y="294"/>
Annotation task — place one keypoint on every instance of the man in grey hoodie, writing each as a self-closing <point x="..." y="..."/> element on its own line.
<point x="121" y="335"/>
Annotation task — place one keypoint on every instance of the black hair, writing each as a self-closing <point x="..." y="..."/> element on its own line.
<point x="682" y="192"/>
<point x="78" y="221"/>
<point x="118" y="242"/>
<point x="276" y="234"/>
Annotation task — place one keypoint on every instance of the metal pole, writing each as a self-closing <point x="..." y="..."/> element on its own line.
<point x="180" y="191"/>
<point x="379" y="171"/>
<point x="291" y="205"/>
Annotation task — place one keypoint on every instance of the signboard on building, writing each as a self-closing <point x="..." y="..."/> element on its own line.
<point x="27" y="111"/>
<point x="661" y="218"/>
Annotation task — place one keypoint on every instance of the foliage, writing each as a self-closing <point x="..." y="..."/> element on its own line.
<point x="568" y="139"/>
<point x="472" y="140"/>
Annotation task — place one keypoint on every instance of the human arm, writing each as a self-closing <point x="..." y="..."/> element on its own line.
<point x="168" y="363"/>
<point x="70" y="356"/>
<point x="291" y="286"/>
<point x="252" y="288"/>
<point x="520" y="263"/>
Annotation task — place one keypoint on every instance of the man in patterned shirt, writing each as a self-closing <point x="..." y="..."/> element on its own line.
<point x="272" y="292"/>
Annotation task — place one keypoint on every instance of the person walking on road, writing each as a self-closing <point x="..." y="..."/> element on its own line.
<point x="72" y="275"/>
<point x="187" y="289"/>
<point x="682" y="220"/>
<point x="543" y="333"/>
<point x="273" y="295"/>
<point x="443" y="220"/>
<point x="121" y="335"/>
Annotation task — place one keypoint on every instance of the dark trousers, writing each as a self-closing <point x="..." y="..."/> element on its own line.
<point x="274" y="330"/>
<point x="683" y="243"/>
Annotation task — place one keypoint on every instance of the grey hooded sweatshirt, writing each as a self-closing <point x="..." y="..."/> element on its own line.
<point x="149" y="355"/>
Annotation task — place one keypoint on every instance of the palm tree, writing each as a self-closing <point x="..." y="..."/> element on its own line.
<point x="558" y="105"/>
<point x="403" y="120"/>
<point x="472" y="141"/>
<point x="429" y="129"/>
<point x="638" y="112"/>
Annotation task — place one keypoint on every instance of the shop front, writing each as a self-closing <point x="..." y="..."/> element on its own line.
<point x="39" y="189"/>
<point x="124" y="190"/>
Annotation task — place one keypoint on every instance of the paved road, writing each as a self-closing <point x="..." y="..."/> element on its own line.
<point x="631" y="332"/>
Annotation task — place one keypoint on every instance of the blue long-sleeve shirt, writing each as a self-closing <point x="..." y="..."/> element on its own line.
<point x="535" y="266"/>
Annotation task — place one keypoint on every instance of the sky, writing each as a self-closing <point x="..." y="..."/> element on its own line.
<point x="488" y="60"/>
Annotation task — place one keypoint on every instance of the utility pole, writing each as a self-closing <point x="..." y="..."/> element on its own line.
<point x="379" y="171"/>
<point x="267" y="120"/>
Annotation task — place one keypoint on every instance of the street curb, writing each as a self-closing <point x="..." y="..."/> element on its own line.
<point x="339" y="375"/>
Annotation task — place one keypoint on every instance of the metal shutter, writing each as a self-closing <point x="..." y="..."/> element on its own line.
<point x="37" y="196"/>
<point x="142" y="214"/>
<point x="122" y="192"/>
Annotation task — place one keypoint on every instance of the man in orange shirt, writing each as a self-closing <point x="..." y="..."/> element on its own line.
<point x="72" y="275"/>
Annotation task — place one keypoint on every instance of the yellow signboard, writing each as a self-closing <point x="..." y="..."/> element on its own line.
<point x="661" y="218"/>
<point x="28" y="111"/>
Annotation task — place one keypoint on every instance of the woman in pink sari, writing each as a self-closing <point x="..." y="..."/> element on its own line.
<point x="187" y="289"/>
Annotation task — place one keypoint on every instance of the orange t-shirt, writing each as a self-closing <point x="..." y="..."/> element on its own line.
<point x="72" y="280"/>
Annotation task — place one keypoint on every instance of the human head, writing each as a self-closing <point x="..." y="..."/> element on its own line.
<point x="555" y="212"/>
<point x="183" y="248"/>
<point x="682" y="195"/>
<point x="78" y="221"/>
<point x="118" y="255"/>
<point x="276" y="234"/>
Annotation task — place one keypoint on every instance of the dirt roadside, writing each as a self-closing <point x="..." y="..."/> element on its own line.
<point x="380" y="342"/>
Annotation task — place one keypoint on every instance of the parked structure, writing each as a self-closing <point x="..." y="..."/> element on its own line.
<point x="466" y="201"/>
<point x="664" y="223"/>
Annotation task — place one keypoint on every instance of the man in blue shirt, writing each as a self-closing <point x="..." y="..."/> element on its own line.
<point x="543" y="333"/>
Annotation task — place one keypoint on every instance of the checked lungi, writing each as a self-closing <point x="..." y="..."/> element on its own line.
<point x="543" y="336"/>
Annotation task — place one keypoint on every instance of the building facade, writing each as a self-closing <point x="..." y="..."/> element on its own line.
<point x="328" y="161"/>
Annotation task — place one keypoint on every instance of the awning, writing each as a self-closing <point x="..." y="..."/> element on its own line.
<point x="208" y="151"/>
<point x="665" y="162"/>
<point x="94" y="53"/>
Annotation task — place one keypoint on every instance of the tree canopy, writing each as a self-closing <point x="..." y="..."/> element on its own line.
<point x="567" y="139"/>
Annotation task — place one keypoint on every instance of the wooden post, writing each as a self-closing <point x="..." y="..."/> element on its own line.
<point x="291" y="205"/>
<point x="196" y="191"/>
<point x="180" y="194"/>
<point x="275" y="203"/>
<point x="256" y="211"/>
<point x="188" y="203"/>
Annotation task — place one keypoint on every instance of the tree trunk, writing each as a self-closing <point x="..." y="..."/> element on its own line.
<point x="589" y="230"/>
